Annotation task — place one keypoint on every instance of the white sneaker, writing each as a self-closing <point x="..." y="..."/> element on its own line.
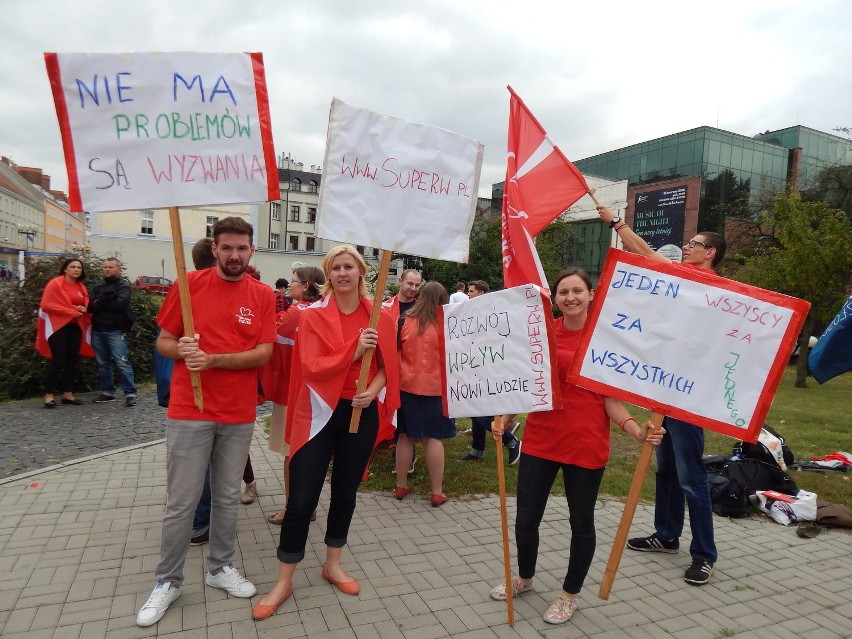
<point x="231" y="581"/>
<point x="161" y="598"/>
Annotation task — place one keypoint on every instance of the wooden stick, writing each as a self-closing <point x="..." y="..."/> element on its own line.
<point x="504" y="521"/>
<point x="185" y="305"/>
<point x="629" y="510"/>
<point x="366" y="360"/>
<point x="591" y="193"/>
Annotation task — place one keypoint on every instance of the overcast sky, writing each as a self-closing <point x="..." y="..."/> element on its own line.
<point x="598" y="75"/>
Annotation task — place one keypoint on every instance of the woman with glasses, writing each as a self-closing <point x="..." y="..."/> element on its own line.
<point x="574" y="439"/>
<point x="304" y="290"/>
<point x="333" y="337"/>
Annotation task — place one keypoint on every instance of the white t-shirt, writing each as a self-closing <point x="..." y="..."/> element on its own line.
<point x="457" y="297"/>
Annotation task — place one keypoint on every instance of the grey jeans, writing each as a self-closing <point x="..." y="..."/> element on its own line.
<point x="190" y="446"/>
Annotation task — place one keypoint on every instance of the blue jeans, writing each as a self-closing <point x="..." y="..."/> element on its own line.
<point x="111" y="347"/>
<point x="681" y="475"/>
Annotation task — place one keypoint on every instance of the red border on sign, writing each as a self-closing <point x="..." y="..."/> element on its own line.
<point x="798" y="307"/>
<point x="55" y="76"/>
<point x="262" y="96"/>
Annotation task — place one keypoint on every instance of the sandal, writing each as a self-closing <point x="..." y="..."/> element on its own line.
<point x="561" y="610"/>
<point x="499" y="592"/>
<point x="276" y="518"/>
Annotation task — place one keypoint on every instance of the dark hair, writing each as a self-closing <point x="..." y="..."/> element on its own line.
<point x="252" y="271"/>
<point x="425" y="309"/>
<point x="716" y="241"/>
<point x="68" y="261"/>
<point x="202" y="254"/>
<point x="281" y="283"/>
<point x="567" y="272"/>
<point x="313" y="278"/>
<point x="460" y="286"/>
<point x="235" y="225"/>
<point x="480" y="285"/>
<point x="113" y="259"/>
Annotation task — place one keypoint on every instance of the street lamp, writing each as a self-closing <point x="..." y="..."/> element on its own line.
<point x="30" y="232"/>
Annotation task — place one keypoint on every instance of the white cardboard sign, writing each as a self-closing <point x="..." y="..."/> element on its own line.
<point x="497" y="351"/>
<point x="397" y="185"/>
<point x="152" y="130"/>
<point x="687" y="343"/>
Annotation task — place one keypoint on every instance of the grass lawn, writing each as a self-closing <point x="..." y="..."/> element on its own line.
<point x="813" y="420"/>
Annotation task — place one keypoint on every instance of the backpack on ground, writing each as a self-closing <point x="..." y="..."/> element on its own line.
<point x="770" y="448"/>
<point x="754" y="475"/>
<point x="728" y="496"/>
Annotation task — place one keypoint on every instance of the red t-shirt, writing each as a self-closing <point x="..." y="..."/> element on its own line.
<point x="351" y="325"/>
<point x="578" y="433"/>
<point x="229" y="317"/>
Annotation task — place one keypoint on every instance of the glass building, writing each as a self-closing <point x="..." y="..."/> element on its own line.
<point x="733" y="168"/>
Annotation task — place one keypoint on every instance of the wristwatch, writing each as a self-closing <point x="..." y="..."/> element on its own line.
<point x="615" y="220"/>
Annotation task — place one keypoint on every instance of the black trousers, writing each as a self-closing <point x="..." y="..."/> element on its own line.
<point x="65" y="350"/>
<point x="535" y="479"/>
<point x="308" y="468"/>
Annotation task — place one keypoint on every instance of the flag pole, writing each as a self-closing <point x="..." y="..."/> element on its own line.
<point x="366" y="360"/>
<point x="185" y="303"/>
<point x="504" y="522"/>
<point x="629" y="510"/>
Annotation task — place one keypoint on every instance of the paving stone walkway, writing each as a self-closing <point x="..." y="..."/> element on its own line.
<point x="79" y="541"/>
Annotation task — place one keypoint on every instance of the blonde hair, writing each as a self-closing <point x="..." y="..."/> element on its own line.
<point x="337" y="251"/>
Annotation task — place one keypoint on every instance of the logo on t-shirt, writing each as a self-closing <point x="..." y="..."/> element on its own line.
<point x="245" y="316"/>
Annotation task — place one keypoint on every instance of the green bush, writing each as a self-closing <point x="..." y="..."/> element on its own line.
<point x="22" y="370"/>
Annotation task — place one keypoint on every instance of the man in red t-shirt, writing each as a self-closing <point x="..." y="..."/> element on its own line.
<point x="681" y="475"/>
<point x="234" y="318"/>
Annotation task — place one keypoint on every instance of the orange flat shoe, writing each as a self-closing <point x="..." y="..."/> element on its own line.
<point x="264" y="611"/>
<point x="399" y="492"/>
<point x="439" y="500"/>
<point x="346" y="587"/>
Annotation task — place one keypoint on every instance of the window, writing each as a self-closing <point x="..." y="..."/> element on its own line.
<point x="274" y="240"/>
<point x="310" y="244"/>
<point x="312" y="214"/>
<point x="295" y="184"/>
<point x="146" y="223"/>
<point x="210" y="222"/>
<point x="312" y="186"/>
<point x="295" y="212"/>
<point x="275" y="209"/>
<point x="294" y="242"/>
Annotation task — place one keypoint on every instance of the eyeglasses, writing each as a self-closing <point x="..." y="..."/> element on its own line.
<point x="297" y="282"/>
<point x="692" y="243"/>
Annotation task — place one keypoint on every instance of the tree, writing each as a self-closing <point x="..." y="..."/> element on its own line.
<point x="803" y="250"/>
<point x="833" y="184"/>
<point x="723" y="196"/>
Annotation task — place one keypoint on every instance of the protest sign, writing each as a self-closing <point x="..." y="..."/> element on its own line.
<point x="685" y="342"/>
<point x="497" y="351"/>
<point x="151" y="130"/>
<point x="397" y="185"/>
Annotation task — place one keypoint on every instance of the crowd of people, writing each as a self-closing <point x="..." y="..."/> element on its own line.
<point x="301" y="346"/>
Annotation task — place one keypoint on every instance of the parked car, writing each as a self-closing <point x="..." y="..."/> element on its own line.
<point x="153" y="284"/>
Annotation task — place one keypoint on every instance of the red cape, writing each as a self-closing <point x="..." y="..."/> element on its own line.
<point x="55" y="311"/>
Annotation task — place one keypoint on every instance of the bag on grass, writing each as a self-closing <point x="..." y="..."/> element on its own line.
<point x="770" y="447"/>
<point x="728" y="497"/>
<point x="786" y="509"/>
<point x="755" y="475"/>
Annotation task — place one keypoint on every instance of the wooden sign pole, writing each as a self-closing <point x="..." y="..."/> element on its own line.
<point x="629" y="510"/>
<point x="185" y="305"/>
<point x="504" y="522"/>
<point x="366" y="360"/>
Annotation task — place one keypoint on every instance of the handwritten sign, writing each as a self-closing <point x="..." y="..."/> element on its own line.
<point x="397" y="185"/>
<point x="151" y="130"/>
<point x="685" y="342"/>
<point x="497" y="351"/>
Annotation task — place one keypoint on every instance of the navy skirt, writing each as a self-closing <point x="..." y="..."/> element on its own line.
<point x="423" y="416"/>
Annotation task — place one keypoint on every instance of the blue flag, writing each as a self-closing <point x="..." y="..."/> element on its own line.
<point x="832" y="355"/>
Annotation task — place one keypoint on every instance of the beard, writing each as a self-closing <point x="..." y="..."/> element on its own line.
<point x="233" y="267"/>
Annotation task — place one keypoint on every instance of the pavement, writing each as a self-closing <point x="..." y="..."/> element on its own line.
<point x="81" y="502"/>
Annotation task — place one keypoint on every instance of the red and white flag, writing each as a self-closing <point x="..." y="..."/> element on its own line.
<point x="541" y="183"/>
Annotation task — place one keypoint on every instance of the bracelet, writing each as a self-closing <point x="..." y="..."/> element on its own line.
<point x="620" y="226"/>
<point x="624" y="421"/>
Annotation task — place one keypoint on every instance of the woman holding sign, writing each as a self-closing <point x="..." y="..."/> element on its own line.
<point x="420" y="386"/>
<point x="333" y="337"/>
<point x="575" y="439"/>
